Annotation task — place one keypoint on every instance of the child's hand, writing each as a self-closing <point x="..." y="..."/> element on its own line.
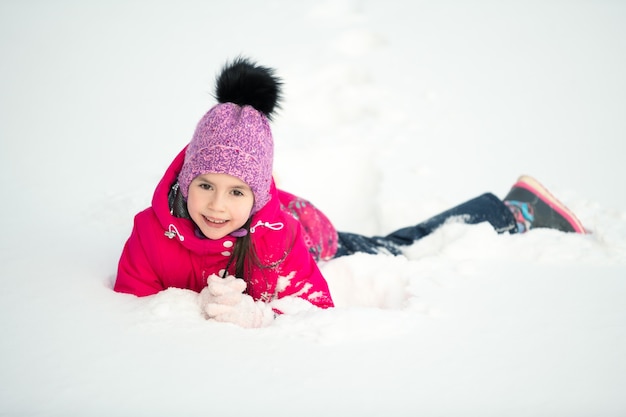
<point x="223" y="300"/>
<point x="227" y="291"/>
<point x="246" y="313"/>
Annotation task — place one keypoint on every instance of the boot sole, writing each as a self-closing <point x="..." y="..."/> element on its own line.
<point x="529" y="183"/>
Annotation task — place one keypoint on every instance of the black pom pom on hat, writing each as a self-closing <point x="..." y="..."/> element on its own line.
<point x="243" y="82"/>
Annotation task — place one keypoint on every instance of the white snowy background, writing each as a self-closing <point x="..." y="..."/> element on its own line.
<point x="393" y="111"/>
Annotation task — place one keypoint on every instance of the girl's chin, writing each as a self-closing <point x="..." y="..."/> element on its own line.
<point x="215" y="234"/>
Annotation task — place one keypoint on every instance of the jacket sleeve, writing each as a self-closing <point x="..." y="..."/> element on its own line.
<point x="319" y="234"/>
<point x="136" y="273"/>
<point x="300" y="276"/>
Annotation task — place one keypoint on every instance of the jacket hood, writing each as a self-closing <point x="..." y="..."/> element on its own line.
<point x="184" y="230"/>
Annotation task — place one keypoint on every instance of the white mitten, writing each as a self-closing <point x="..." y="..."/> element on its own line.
<point x="246" y="313"/>
<point x="226" y="291"/>
<point x="223" y="300"/>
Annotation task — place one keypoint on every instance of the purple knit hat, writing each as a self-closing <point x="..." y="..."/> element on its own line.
<point x="232" y="140"/>
<point x="234" y="137"/>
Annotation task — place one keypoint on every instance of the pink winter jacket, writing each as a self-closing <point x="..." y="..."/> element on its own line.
<point x="164" y="251"/>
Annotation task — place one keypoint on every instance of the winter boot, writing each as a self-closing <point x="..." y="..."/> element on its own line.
<point x="533" y="206"/>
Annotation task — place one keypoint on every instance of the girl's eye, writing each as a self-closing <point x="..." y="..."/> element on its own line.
<point x="204" y="186"/>
<point x="237" y="193"/>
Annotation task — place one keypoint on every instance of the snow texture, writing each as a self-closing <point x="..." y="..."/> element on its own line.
<point x="393" y="111"/>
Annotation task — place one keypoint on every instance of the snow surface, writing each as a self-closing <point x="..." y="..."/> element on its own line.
<point x="393" y="111"/>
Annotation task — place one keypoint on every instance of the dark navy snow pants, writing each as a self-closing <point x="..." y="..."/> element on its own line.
<point x="485" y="208"/>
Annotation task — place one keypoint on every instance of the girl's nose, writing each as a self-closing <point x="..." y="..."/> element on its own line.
<point x="216" y="202"/>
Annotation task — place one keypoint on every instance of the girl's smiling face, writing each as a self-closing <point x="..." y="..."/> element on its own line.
<point x="219" y="204"/>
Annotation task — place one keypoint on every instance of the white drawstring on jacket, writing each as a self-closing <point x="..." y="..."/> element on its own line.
<point x="173" y="231"/>
<point x="272" y="226"/>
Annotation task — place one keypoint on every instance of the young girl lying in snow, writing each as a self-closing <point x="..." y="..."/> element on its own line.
<point x="219" y="226"/>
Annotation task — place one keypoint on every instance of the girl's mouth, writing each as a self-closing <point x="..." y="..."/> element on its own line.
<point x="217" y="222"/>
